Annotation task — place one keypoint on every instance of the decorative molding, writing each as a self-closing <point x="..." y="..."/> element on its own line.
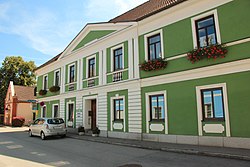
<point x="156" y="127"/>
<point x="213" y="128"/>
<point x="118" y="126"/>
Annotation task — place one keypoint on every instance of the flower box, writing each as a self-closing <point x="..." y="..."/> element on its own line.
<point x="151" y="65"/>
<point x="209" y="52"/>
<point x="42" y="92"/>
<point x="54" y="88"/>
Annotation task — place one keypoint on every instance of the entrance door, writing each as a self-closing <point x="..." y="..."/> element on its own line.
<point x="93" y="109"/>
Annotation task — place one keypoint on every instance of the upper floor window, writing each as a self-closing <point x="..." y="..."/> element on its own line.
<point x="45" y="82"/>
<point x="43" y="112"/>
<point x="212" y="103"/>
<point x="71" y="73"/>
<point x="118" y="59"/>
<point x="91" y="66"/>
<point x="118" y="109"/>
<point x="57" y="78"/>
<point x="154" y="47"/>
<point x="205" y="30"/>
<point x="157" y="107"/>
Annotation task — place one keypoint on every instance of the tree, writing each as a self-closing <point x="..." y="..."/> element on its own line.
<point x="15" y="69"/>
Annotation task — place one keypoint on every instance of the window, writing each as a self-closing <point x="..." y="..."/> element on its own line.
<point x="71" y="112"/>
<point x="55" y="111"/>
<point x="57" y="78"/>
<point x="71" y="73"/>
<point x="43" y="114"/>
<point x="212" y="104"/>
<point x="45" y="82"/>
<point x="205" y="31"/>
<point x="154" y="47"/>
<point x="118" y="109"/>
<point x="118" y="59"/>
<point x="91" y="70"/>
<point x="157" y="107"/>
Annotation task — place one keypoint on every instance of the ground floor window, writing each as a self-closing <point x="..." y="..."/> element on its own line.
<point x="55" y="111"/>
<point x="43" y="114"/>
<point x="118" y="109"/>
<point x="71" y="112"/>
<point x="212" y="103"/>
<point x="157" y="107"/>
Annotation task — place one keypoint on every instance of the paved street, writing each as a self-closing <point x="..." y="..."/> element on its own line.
<point x="17" y="147"/>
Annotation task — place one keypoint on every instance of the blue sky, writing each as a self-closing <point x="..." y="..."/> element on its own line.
<point x="38" y="30"/>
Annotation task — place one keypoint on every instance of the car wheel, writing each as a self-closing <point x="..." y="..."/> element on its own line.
<point x="42" y="136"/>
<point x="30" y="133"/>
<point x="63" y="136"/>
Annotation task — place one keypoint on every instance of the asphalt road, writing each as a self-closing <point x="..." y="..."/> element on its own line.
<point x="73" y="152"/>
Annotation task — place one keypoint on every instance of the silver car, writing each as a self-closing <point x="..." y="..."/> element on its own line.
<point x="45" y="127"/>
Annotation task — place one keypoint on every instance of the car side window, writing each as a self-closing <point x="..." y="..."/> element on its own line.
<point x="36" y="122"/>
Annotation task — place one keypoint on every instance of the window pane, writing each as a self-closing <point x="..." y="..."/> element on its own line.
<point x="161" y="107"/>
<point x="202" y="38"/>
<point x="71" y="112"/>
<point x="55" y="111"/>
<point x="152" y="52"/>
<point x="206" y="22"/>
<point x="208" y="108"/>
<point x="154" y="39"/>
<point x="121" y="109"/>
<point x="218" y="104"/>
<point x="211" y="35"/>
<point x="154" y="107"/>
<point x="158" y="50"/>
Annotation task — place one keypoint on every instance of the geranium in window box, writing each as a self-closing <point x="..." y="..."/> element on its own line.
<point x="54" y="88"/>
<point x="151" y="65"/>
<point x="209" y="52"/>
<point x="42" y="92"/>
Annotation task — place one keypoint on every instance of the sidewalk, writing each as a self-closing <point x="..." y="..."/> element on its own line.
<point x="223" y="152"/>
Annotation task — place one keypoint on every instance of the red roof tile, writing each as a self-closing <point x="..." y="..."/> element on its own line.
<point x="145" y="10"/>
<point x="24" y="93"/>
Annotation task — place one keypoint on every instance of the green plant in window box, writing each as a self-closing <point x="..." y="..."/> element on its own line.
<point x="54" y="88"/>
<point x="42" y="92"/>
<point x="209" y="52"/>
<point x="151" y="65"/>
<point x="81" y="130"/>
<point x="96" y="131"/>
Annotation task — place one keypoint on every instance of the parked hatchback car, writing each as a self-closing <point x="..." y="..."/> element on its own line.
<point x="45" y="127"/>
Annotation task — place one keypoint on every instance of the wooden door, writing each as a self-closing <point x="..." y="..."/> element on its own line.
<point x="93" y="109"/>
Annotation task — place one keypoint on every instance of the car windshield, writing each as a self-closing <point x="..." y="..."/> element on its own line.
<point x="55" y="121"/>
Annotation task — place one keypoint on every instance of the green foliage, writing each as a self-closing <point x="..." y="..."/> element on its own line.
<point x="54" y="88"/>
<point x="15" y="69"/>
<point x="42" y="92"/>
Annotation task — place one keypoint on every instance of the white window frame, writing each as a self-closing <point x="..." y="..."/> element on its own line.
<point x="67" y="113"/>
<point x="147" y="97"/>
<point x="87" y="66"/>
<point x="112" y="56"/>
<point x="112" y="111"/>
<point x="216" y="22"/>
<point x="70" y="65"/>
<point x="47" y="82"/>
<point x="146" y="42"/>
<point x="53" y="110"/>
<point x="42" y="111"/>
<point x="59" y="77"/>
<point x="199" y="105"/>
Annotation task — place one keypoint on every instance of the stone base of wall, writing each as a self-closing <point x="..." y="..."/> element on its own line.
<point x="233" y="142"/>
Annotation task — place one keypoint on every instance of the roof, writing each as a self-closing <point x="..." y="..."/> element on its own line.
<point x="138" y="13"/>
<point x="50" y="61"/>
<point x="24" y="93"/>
<point x="146" y="9"/>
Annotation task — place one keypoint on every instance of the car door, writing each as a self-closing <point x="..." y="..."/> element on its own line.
<point x="33" y="127"/>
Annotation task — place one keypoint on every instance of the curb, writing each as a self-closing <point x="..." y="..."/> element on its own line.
<point x="173" y="150"/>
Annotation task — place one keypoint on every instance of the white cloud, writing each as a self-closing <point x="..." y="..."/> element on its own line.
<point x="47" y="31"/>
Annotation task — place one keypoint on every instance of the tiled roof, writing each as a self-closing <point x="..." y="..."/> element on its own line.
<point x="24" y="93"/>
<point x="49" y="62"/>
<point x="145" y="10"/>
